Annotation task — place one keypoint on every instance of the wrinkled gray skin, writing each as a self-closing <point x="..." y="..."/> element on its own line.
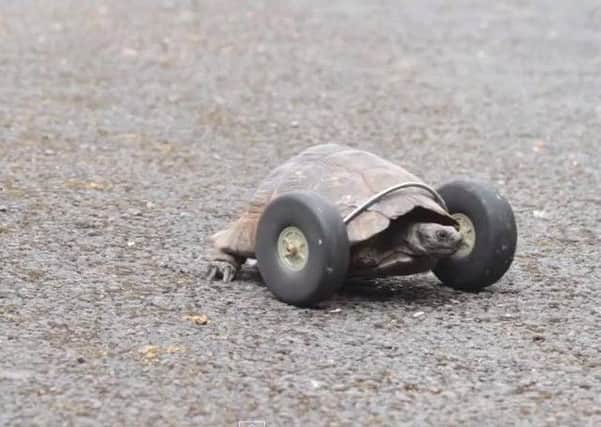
<point x="402" y="249"/>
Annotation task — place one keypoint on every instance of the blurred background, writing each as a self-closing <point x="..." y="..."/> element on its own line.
<point x="130" y="131"/>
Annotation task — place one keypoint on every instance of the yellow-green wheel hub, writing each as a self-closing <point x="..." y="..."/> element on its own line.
<point x="293" y="249"/>
<point x="468" y="233"/>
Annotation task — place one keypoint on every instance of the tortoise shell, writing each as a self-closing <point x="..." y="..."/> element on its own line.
<point x="345" y="176"/>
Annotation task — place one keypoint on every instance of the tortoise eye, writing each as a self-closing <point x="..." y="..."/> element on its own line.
<point x="441" y="235"/>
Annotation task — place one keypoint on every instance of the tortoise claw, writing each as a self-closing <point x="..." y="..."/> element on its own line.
<point x="211" y="273"/>
<point x="221" y="269"/>
<point x="228" y="274"/>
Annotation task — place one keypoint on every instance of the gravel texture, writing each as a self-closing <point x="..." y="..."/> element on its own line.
<point x="130" y="131"/>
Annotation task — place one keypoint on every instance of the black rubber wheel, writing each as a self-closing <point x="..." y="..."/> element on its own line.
<point x="489" y="247"/>
<point x="302" y="248"/>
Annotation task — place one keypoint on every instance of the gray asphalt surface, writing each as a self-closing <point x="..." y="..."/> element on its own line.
<point x="130" y="131"/>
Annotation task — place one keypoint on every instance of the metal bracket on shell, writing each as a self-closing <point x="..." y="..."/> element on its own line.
<point x="389" y="190"/>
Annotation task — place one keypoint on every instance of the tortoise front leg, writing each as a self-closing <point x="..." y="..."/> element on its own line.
<point x="223" y="265"/>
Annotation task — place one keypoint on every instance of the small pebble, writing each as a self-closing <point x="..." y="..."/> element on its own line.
<point x="201" y="319"/>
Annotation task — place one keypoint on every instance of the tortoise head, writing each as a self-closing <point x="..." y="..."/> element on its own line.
<point x="435" y="240"/>
<point x="405" y="248"/>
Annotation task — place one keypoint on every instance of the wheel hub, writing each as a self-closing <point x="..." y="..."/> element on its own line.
<point x="293" y="249"/>
<point x="468" y="234"/>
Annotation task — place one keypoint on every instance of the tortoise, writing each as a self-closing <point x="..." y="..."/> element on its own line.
<point x="333" y="211"/>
